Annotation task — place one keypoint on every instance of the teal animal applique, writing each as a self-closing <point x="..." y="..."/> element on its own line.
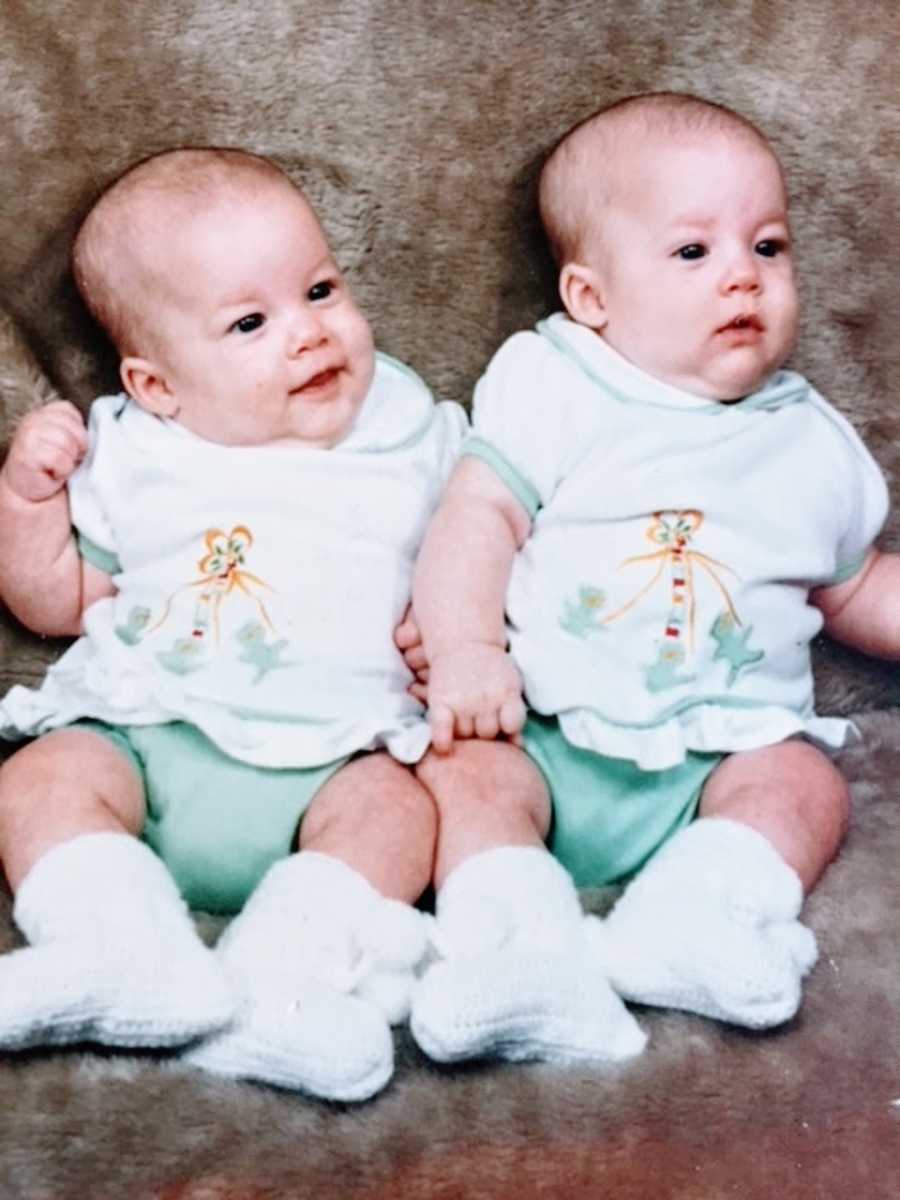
<point x="185" y="656"/>
<point x="581" y="618"/>
<point x="265" y="656"/>
<point x="731" y="645"/>
<point x="663" y="673"/>
<point x="135" y="626"/>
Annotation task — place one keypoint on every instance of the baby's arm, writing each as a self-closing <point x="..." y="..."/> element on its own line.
<point x="864" y="612"/>
<point x="43" y="580"/>
<point x="459" y="596"/>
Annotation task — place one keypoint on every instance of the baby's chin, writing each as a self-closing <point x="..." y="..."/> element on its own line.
<point x="723" y="378"/>
<point x="725" y="386"/>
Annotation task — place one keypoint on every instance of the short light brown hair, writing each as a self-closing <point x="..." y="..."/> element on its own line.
<point x="109" y="255"/>
<point x="578" y="177"/>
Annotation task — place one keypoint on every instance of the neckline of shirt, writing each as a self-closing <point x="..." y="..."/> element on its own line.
<point x="630" y="385"/>
<point x="397" y="411"/>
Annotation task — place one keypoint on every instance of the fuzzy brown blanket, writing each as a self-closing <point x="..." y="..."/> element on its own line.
<point x="417" y="128"/>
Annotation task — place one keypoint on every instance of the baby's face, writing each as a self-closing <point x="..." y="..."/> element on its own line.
<point x="694" y="259"/>
<point x="256" y="335"/>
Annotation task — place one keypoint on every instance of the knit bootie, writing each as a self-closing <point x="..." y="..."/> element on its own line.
<point x="324" y="964"/>
<point x="113" y="956"/>
<point x="514" y="979"/>
<point x="710" y="926"/>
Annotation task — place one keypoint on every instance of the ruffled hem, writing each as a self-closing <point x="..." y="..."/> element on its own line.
<point x="264" y="741"/>
<point x="703" y="729"/>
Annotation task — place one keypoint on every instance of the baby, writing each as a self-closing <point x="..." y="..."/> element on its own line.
<point x="657" y="518"/>
<point x="245" y="518"/>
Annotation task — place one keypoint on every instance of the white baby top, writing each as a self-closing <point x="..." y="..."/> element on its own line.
<point x="259" y="587"/>
<point x="661" y="602"/>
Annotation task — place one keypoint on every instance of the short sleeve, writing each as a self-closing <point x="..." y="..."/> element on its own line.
<point x="451" y="425"/>
<point x="89" y="488"/>
<point x="522" y="420"/>
<point x="866" y="499"/>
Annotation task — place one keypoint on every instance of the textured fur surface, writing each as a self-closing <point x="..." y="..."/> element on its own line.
<point x="417" y="129"/>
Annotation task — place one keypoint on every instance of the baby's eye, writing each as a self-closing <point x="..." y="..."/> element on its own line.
<point x="692" y="252"/>
<point x="770" y="247"/>
<point x="249" y="323"/>
<point x="321" y="290"/>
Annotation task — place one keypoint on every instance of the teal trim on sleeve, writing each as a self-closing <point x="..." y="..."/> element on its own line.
<point x="523" y="491"/>
<point x="847" y="570"/>
<point x="103" y="560"/>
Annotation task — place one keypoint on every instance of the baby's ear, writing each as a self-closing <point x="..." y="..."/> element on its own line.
<point x="145" y="384"/>
<point x="582" y="295"/>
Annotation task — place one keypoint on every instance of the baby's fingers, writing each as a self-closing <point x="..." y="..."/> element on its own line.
<point x="487" y="725"/>
<point x="58" y="452"/>
<point x="407" y="635"/>
<point x="512" y="716"/>
<point x="415" y="659"/>
<point x="441" y="720"/>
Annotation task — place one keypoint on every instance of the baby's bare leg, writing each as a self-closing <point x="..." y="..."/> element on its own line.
<point x="377" y="818"/>
<point x="488" y="794"/>
<point x="710" y="924"/>
<point x="515" y="980"/>
<point x="113" y="955"/>
<point x="325" y="951"/>
<point x="67" y="783"/>
<point x="790" y="793"/>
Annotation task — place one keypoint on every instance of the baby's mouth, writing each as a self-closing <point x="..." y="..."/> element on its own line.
<point x="744" y="321"/>
<point x="316" y="382"/>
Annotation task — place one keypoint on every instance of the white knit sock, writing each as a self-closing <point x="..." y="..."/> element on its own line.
<point x="515" y="980"/>
<point x="324" y="963"/>
<point x="113" y="957"/>
<point x="710" y="926"/>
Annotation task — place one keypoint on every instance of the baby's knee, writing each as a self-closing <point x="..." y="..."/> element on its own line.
<point x="834" y="804"/>
<point x="32" y="781"/>
<point x="820" y="792"/>
<point x="374" y="791"/>
<point x="793" y="794"/>
<point x="485" y="774"/>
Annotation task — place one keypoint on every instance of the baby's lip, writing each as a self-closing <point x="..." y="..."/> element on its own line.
<point x="742" y="321"/>
<point x="320" y="379"/>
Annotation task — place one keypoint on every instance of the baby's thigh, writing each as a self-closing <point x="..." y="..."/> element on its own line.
<point x="218" y="823"/>
<point x="67" y="783"/>
<point x="372" y="789"/>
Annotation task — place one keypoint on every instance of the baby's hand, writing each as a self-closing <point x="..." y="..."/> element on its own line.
<point x="408" y="640"/>
<point x="47" y="447"/>
<point x="473" y="691"/>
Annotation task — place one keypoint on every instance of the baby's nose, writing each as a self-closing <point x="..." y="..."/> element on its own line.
<point x="306" y="332"/>
<point x="742" y="275"/>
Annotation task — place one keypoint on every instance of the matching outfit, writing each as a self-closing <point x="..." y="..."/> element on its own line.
<point x="247" y="654"/>
<point x="258" y="587"/>
<point x="659" y="611"/>
<point x="249" y="651"/>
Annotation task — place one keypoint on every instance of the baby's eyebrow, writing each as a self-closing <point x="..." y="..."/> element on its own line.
<point x="692" y="221"/>
<point x="326" y="266"/>
<point x="237" y="299"/>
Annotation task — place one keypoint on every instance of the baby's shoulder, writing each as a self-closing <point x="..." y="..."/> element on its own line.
<point x="521" y="351"/>
<point x="106" y="411"/>
<point x="528" y="363"/>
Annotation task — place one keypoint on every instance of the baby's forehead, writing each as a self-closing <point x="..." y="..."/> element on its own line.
<point x="618" y="154"/>
<point x="153" y="207"/>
